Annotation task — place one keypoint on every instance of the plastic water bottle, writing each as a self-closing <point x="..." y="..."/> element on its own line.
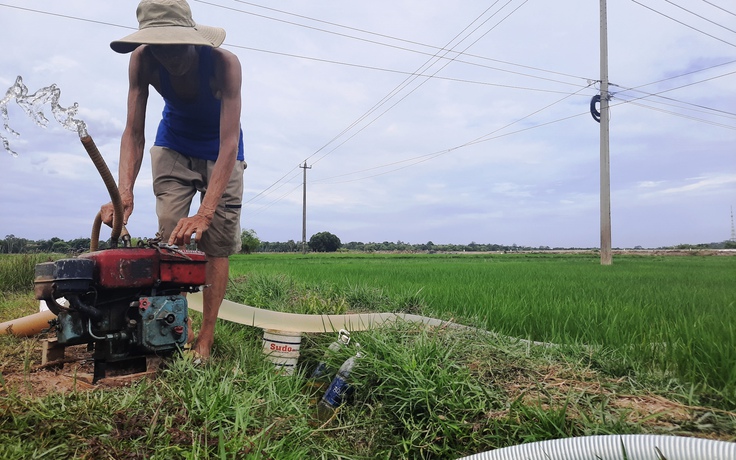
<point x="338" y="389"/>
<point x="343" y="339"/>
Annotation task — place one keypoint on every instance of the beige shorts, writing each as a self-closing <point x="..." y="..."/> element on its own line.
<point x="176" y="179"/>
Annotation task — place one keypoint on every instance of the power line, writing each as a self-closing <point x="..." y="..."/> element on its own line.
<point x="686" y="74"/>
<point x="698" y="15"/>
<point x="77" y="18"/>
<point x="719" y="7"/>
<point x="405" y="83"/>
<point x="659" y="95"/>
<point x="274" y="184"/>
<point x="681" y="115"/>
<point x="329" y="61"/>
<point x="267" y="206"/>
<point x="709" y="111"/>
<point x="682" y="23"/>
<point x="691" y="84"/>
<point x="412" y="78"/>
<point x="400" y="72"/>
<point x="492" y="136"/>
<point x="436" y="48"/>
<point x="484" y="138"/>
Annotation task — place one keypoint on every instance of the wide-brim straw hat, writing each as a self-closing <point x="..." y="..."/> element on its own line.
<point x="168" y="22"/>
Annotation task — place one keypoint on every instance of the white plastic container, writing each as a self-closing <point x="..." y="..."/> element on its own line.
<point x="282" y="349"/>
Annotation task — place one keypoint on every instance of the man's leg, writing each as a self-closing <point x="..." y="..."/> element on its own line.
<point x="220" y="240"/>
<point x="217" y="273"/>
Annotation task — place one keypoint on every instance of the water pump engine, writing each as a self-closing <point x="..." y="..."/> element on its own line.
<point x="125" y="303"/>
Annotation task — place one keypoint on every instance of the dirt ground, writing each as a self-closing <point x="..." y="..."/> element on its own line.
<point x="74" y="372"/>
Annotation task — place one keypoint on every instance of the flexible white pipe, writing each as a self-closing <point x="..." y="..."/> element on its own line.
<point x="293" y="322"/>
<point x="616" y="447"/>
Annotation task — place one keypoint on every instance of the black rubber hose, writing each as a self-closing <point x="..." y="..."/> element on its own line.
<point x="593" y="111"/>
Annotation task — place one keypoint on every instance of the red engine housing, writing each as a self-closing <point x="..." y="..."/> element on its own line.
<point x="146" y="267"/>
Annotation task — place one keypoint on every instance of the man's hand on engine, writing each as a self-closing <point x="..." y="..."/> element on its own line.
<point x="188" y="226"/>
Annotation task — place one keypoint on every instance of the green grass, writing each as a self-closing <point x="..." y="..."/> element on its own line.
<point x="18" y="270"/>
<point x="419" y="393"/>
<point x="16" y="284"/>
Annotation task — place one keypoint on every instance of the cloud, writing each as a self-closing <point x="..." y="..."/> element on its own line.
<point x="708" y="184"/>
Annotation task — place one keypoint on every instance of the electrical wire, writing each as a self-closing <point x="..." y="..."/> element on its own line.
<point x="437" y="49"/>
<point x="436" y="154"/>
<point x="708" y="111"/>
<point x="77" y="18"/>
<point x="493" y="135"/>
<point x="692" y="72"/>
<point x="403" y="40"/>
<point x="659" y="94"/>
<point x="408" y="81"/>
<point x="682" y="23"/>
<point x="400" y="72"/>
<point x="280" y="180"/>
<point x="484" y="138"/>
<point x="720" y="8"/>
<point x="270" y="204"/>
<point x="681" y="115"/>
<point x="699" y="16"/>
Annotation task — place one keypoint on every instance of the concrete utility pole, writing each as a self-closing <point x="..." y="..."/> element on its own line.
<point x="606" y="257"/>
<point x="304" y="208"/>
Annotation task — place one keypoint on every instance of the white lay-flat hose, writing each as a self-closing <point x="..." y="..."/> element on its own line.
<point x="294" y="322"/>
<point x="616" y="447"/>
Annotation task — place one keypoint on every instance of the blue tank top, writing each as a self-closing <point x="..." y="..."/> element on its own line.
<point x="192" y="128"/>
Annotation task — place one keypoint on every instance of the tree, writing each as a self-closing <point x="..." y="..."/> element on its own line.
<point x="324" y="242"/>
<point x="250" y="242"/>
<point x="60" y="247"/>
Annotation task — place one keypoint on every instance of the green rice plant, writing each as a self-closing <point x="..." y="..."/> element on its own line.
<point x="17" y="271"/>
<point x="362" y="297"/>
<point x="260" y="290"/>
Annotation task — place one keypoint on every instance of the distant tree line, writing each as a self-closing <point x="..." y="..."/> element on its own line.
<point x="12" y="244"/>
<point x="319" y="242"/>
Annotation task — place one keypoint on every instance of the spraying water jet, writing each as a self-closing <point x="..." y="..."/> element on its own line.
<point x="32" y="105"/>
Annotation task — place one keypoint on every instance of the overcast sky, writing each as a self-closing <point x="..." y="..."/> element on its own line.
<point x="450" y="122"/>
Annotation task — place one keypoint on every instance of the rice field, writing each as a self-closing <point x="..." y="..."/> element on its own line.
<point x="670" y="314"/>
